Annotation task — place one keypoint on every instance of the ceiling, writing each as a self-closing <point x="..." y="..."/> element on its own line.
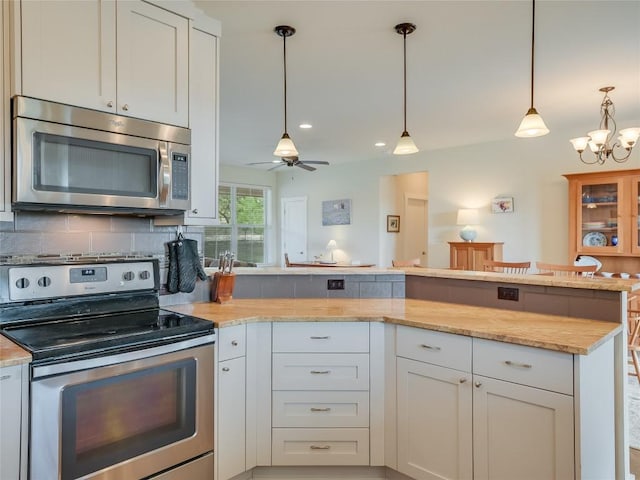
<point x="468" y="72"/>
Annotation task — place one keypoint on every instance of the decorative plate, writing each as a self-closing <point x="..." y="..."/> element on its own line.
<point x="594" y="239"/>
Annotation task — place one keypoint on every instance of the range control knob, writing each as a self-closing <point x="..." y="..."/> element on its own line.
<point x="44" y="281"/>
<point x="128" y="276"/>
<point x="145" y="274"/>
<point x="22" y="282"/>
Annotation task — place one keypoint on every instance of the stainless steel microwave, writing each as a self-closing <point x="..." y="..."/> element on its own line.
<point x="72" y="159"/>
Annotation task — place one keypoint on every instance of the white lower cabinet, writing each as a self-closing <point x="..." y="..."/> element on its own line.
<point x="231" y="402"/>
<point x="320" y="394"/>
<point x="521" y="432"/>
<point x="505" y="424"/>
<point x="12" y="422"/>
<point x="434" y="421"/>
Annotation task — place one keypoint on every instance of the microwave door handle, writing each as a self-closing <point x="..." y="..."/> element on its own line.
<point x="165" y="174"/>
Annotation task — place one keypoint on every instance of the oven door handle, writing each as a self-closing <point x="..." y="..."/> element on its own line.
<point x="39" y="371"/>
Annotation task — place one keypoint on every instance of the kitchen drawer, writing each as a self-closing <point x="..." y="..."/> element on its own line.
<point x="535" y="367"/>
<point x="320" y="446"/>
<point x="339" y="337"/>
<point x="439" y="348"/>
<point x="320" y="409"/>
<point x="320" y="371"/>
<point x="231" y="342"/>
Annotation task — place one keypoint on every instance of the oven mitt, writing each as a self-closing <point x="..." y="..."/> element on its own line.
<point x="184" y="266"/>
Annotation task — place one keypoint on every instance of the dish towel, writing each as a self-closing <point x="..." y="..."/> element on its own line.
<point x="184" y="266"/>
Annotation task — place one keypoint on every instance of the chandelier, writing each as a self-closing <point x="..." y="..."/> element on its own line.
<point x="599" y="141"/>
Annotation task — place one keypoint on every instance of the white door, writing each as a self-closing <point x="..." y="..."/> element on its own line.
<point x="231" y="418"/>
<point x="415" y="228"/>
<point x="293" y="231"/>
<point x="521" y="432"/>
<point x="434" y="421"/>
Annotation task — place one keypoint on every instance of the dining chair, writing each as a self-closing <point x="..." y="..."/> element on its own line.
<point x="414" y="262"/>
<point x="566" y="270"/>
<point x="506" y="267"/>
<point x="633" y="334"/>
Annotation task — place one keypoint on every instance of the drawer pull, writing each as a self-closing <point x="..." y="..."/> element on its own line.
<point x="5" y="377"/>
<point x="320" y="447"/>
<point x="315" y="409"/>
<point x="320" y="372"/>
<point x="326" y="337"/>
<point x="431" y="347"/>
<point x="517" y="364"/>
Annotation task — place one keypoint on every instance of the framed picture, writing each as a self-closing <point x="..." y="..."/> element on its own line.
<point x="336" y="212"/>
<point x="393" y="223"/>
<point x="502" y="205"/>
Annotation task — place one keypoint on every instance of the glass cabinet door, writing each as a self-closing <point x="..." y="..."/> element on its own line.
<point x="599" y="218"/>
<point x="635" y="215"/>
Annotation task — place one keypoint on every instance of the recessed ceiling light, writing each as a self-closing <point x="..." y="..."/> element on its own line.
<point x="305" y="125"/>
<point x="380" y="144"/>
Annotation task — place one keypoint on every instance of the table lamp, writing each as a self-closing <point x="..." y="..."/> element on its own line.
<point x="332" y="246"/>
<point x="468" y="217"/>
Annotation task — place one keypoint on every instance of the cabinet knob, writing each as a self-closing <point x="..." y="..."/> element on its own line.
<point x="110" y="104"/>
<point x="225" y="369"/>
<point x="234" y="343"/>
<point x="478" y="384"/>
<point x="194" y="211"/>
<point x="125" y="107"/>
<point x="463" y="380"/>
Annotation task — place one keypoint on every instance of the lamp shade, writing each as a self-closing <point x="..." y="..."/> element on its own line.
<point x="285" y="147"/>
<point x="331" y="245"/>
<point x="405" y="145"/>
<point x="532" y="125"/>
<point x="468" y="216"/>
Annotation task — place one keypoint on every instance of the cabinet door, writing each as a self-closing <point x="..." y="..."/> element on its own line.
<point x="203" y="121"/>
<point x="635" y="214"/>
<point x="231" y="418"/>
<point x="153" y="63"/>
<point x="602" y="216"/>
<point x="434" y="421"/>
<point x="69" y="52"/>
<point x="521" y="432"/>
<point x="10" y="421"/>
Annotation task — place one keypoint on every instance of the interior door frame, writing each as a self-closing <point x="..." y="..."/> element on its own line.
<point x="283" y="203"/>
<point x="405" y="235"/>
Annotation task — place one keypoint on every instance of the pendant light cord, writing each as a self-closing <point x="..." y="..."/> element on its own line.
<point x="533" y="38"/>
<point x="284" y="43"/>
<point x="404" y="36"/>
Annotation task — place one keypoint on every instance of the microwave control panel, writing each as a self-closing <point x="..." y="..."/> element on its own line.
<point x="180" y="176"/>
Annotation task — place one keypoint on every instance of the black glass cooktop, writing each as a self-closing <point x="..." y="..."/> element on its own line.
<point x="97" y="334"/>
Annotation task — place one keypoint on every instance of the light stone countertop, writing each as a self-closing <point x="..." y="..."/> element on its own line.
<point x="596" y="283"/>
<point x="12" y="354"/>
<point x="564" y="334"/>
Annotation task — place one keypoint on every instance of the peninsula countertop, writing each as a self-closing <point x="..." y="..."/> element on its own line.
<point x="552" y="332"/>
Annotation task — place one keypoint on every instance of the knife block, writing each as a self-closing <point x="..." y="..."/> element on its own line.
<point x="222" y="287"/>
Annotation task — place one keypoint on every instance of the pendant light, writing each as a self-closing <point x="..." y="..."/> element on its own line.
<point x="532" y="124"/>
<point x="405" y="145"/>
<point x="285" y="147"/>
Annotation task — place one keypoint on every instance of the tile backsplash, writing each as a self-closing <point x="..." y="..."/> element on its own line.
<point x="45" y="234"/>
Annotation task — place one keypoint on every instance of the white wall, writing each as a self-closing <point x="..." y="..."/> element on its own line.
<point x="530" y="170"/>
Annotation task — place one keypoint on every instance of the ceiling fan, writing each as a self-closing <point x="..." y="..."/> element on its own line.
<point x="291" y="162"/>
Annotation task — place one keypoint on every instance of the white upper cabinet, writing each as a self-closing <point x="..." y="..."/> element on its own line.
<point x="5" y="117"/>
<point x="126" y="57"/>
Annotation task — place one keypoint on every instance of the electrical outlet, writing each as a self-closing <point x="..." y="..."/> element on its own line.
<point x="506" y="293"/>
<point x="335" y="284"/>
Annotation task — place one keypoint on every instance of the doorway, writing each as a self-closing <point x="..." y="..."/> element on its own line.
<point x="415" y="238"/>
<point x="293" y="229"/>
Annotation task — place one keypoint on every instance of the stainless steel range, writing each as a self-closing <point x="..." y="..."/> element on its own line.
<point x="119" y="387"/>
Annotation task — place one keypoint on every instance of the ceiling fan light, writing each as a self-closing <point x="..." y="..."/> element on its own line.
<point x="580" y="143"/>
<point x="285" y="147"/>
<point x="532" y="125"/>
<point x="405" y="145"/>
<point x="599" y="137"/>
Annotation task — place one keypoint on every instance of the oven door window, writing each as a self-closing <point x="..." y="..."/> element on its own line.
<point x="108" y="421"/>
<point x="77" y="165"/>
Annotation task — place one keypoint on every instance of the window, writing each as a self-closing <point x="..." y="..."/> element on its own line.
<point x="242" y="211"/>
